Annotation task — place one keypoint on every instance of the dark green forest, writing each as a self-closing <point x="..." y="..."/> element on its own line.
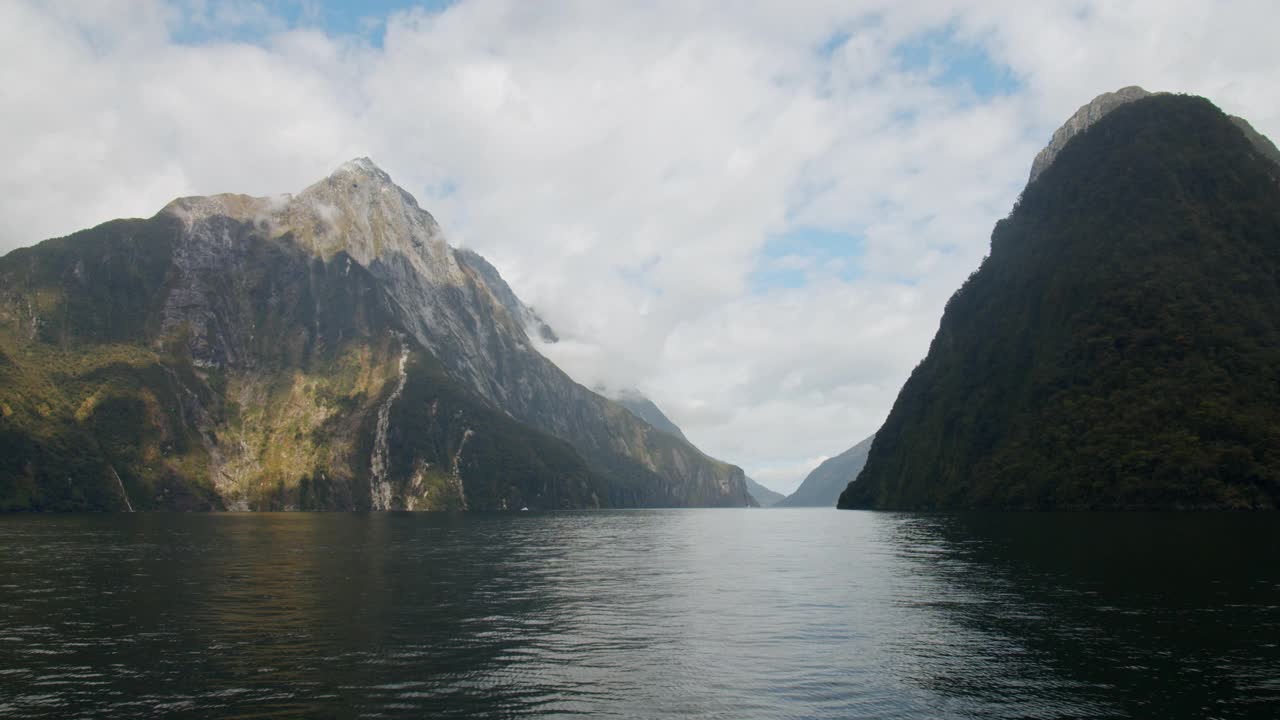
<point x="1120" y="346"/>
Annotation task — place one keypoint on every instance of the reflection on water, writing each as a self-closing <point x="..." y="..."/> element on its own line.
<point x="717" y="613"/>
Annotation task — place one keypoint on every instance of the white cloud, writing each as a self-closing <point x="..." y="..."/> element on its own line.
<point x="624" y="164"/>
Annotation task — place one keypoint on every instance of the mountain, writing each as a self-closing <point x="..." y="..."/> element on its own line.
<point x="327" y="350"/>
<point x="643" y="408"/>
<point x="763" y="496"/>
<point x="1084" y="118"/>
<point x="822" y="487"/>
<point x="1120" y="346"/>
<point x="1099" y="107"/>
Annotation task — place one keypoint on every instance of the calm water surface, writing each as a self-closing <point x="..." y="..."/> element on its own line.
<point x="709" y="613"/>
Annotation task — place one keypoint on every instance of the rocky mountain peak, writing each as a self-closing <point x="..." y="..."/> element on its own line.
<point x="362" y="166"/>
<point x="195" y="209"/>
<point x="1097" y="108"/>
<point x="358" y="209"/>
<point x="361" y="177"/>
<point x="374" y="366"/>
<point x="1088" y="114"/>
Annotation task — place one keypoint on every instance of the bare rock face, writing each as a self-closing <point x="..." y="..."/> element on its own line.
<point x="1087" y="115"/>
<point x="316" y="335"/>
<point x="325" y="350"/>
<point x="1100" y="106"/>
<point x="455" y="303"/>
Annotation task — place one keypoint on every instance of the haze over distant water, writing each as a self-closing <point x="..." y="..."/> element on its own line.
<point x="702" y="613"/>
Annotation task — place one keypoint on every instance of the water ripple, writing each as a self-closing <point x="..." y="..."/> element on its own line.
<point x="717" y="614"/>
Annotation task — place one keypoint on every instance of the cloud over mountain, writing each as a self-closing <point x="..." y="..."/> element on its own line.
<point x="754" y="217"/>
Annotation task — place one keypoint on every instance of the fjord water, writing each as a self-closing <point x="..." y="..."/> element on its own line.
<point x="664" y="613"/>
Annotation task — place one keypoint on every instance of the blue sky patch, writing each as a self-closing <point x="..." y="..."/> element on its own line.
<point x="952" y="62"/>
<point x="834" y="43"/>
<point x="790" y="259"/>
<point x="231" y="22"/>
<point x="813" y="241"/>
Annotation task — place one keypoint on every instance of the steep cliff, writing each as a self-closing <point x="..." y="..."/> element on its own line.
<point x="1120" y="346"/>
<point x="645" y="409"/>
<point x="328" y="349"/>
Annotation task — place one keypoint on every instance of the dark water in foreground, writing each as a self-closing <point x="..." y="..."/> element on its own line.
<point x="715" y="613"/>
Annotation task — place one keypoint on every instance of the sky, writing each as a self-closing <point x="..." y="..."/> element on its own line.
<point x="752" y="212"/>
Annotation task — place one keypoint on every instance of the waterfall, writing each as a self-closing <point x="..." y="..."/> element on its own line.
<point x="379" y="487"/>
<point x="123" y="492"/>
<point x="456" y="475"/>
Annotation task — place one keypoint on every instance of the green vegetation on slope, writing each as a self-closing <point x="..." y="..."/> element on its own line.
<point x="1120" y="347"/>
<point x="90" y="416"/>
<point x="442" y="434"/>
<point x="244" y="374"/>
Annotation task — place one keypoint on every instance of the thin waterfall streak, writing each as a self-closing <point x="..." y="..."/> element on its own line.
<point x="124" y="493"/>
<point x="457" y="468"/>
<point x="379" y="486"/>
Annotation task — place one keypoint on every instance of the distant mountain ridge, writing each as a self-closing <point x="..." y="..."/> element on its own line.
<point x="324" y="350"/>
<point x="644" y="408"/>
<point x="763" y="495"/>
<point x="822" y="486"/>
<point x="1119" y="347"/>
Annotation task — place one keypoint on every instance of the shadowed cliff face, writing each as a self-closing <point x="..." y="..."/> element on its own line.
<point x="321" y="350"/>
<point x="1119" y="348"/>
